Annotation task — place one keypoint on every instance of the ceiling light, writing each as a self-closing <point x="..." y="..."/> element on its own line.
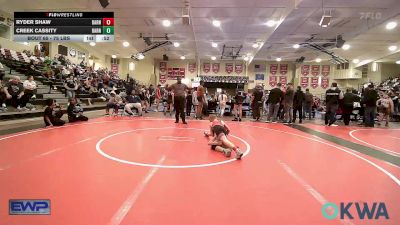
<point x="325" y="20"/>
<point x="216" y="23"/>
<point x="398" y="62"/>
<point x="213" y="58"/>
<point x="113" y="56"/>
<point x="183" y="57"/>
<point x="270" y="23"/>
<point x="392" y="48"/>
<point x="25" y="43"/>
<point x="140" y="56"/>
<point x="391" y="25"/>
<point x="346" y="47"/>
<point x="92" y="43"/>
<point x="176" y="44"/>
<point x="255" y="45"/>
<point x="125" y="44"/>
<point x="278" y="59"/>
<point x="166" y="23"/>
<point x="296" y="46"/>
<point x="246" y="58"/>
<point x="318" y="60"/>
<point x="214" y="45"/>
<point x="356" y="61"/>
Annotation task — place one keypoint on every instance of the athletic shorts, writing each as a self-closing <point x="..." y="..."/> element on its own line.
<point x="218" y="130"/>
<point x="200" y="98"/>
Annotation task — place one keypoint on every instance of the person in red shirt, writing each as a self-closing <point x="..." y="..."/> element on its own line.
<point x="220" y="142"/>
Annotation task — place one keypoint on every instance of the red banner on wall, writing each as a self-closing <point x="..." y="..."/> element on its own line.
<point x="314" y="82"/>
<point x="229" y="67"/>
<point x="326" y="69"/>
<point x="215" y="67"/>
<point x="173" y="73"/>
<point x="192" y="67"/>
<point x="163" y="72"/>
<point x="315" y="70"/>
<point x="238" y="68"/>
<point x="114" y="68"/>
<point x="283" y="69"/>
<point x="325" y="82"/>
<point x="305" y="70"/>
<point x="273" y="69"/>
<point x="206" y="67"/>
<point x="283" y="79"/>
<point x="304" y="82"/>
<point x="273" y="80"/>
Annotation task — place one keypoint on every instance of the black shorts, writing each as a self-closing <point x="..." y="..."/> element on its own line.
<point x="218" y="129"/>
<point x="200" y="98"/>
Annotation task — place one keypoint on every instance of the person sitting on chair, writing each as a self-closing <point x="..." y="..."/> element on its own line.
<point x="133" y="101"/>
<point x="75" y="111"/>
<point x="114" y="102"/>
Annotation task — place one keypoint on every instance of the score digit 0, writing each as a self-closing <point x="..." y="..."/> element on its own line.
<point x="108" y="21"/>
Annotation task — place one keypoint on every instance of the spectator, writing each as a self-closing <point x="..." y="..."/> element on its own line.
<point x="2" y="73"/>
<point x="333" y="95"/>
<point x="256" y="102"/>
<point x="369" y="102"/>
<point x="200" y="99"/>
<point x="189" y="102"/>
<point x="158" y="96"/>
<point x="274" y="99"/>
<point x="71" y="86"/>
<point x="14" y="91"/>
<point x="52" y="117"/>
<point x="75" y="111"/>
<point x="308" y="103"/>
<point x="133" y="101"/>
<point x="30" y="88"/>
<point x="298" y="100"/>
<point x="348" y="104"/>
<point x="386" y="108"/>
<point x="288" y="103"/>
<point x="222" y="100"/>
<point x="114" y="102"/>
<point x="3" y="98"/>
<point x="238" y="106"/>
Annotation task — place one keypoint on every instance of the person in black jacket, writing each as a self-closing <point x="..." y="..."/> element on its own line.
<point x="256" y="102"/>
<point x="298" y="100"/>
<point x="347" y="108"/>
<point x="75" y="111"/>
<point x="332" y="97"/>
<point x="274" y="99"/>
<point x="369" y="103"/>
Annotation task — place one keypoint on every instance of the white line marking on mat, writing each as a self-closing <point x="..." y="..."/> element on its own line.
<point x="131" y="200"/>
<point x="351" y="133"/>
<point x="321" y="199"/>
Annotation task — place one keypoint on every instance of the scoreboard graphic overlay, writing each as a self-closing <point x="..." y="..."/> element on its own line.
<point x="64" y="26"/>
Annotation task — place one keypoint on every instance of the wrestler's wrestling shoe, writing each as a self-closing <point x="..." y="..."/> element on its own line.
<point x="239" y="154"/>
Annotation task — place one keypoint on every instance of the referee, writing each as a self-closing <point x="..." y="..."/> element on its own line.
<point x="179" y="99"/>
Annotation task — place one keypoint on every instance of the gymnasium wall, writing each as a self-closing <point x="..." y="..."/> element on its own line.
<point x="16" y="46"/>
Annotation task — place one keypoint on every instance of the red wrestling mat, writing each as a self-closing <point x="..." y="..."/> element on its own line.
<point x="150" y="171"/>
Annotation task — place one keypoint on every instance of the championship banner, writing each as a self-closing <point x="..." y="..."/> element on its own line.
<point x="206" y="67"/>
<point x="282" y="79"/>
<point x="215" y="67"/>
<point x="326" y="69"/>
<point x="315" y="70"/>
<point x="229" y="68"/>
<point x="173" y="73"/>
<point x="314" y="82"/>
<point x="182" y="72"/>
<point x="163" y="78"/>
<point x="192" y="67"/>
<point x="304" y="82"/>
<point x="324" y="82"/>
<point x="273" y="69"/>
<point x="305" y="70"/>
<point x="238" y="68"/>
<point x="163" y="67"/>
<point x="283" y="68"/>
<point x="273" y="80"/>
<point x="114" y="68"/>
